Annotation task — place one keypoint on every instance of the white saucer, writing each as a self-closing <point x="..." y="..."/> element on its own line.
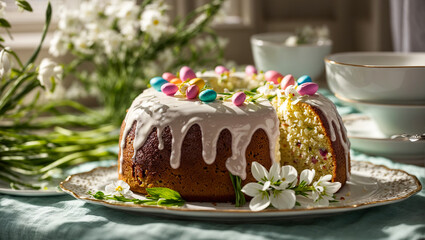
<point x="366" y="137"/>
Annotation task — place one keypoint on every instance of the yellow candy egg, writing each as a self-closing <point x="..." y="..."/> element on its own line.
<point x="198" y="82"/>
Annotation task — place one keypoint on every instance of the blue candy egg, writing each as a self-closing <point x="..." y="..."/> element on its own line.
<point x="303" y="79"/>
<point x="157" y="83"/>
<point x="208" y="95"/>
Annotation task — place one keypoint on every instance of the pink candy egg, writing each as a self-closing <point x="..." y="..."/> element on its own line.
<point x="250" y="70"/>
<point x="186" y="73"/>
<point x="168" y="76"/>
<point x="287" y="81"/>
<point x="309" y="88"/>
<point x="221" y="69"/>
<point x="273" y="76"/>
<point x="238" y="98"/>
<point x="192" y="91"/>
<point x="169" y="89"/>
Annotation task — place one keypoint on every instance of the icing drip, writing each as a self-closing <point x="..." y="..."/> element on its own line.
<point x="335" y="124"/>
<point x="153" y="109"/>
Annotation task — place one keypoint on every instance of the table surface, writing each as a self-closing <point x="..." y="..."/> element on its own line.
<point x="64" y="217"/>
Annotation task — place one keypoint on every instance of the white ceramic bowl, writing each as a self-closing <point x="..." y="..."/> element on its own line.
<point x="392" y="119"/>
<point x="384" y="77"/>
<point x="271" y="53"/>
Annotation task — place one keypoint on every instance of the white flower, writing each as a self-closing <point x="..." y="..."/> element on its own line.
<point x="118" y="188"/>
<point x="2" y="8"/>
<point x="324" y="190"/>
<point x="307" y="176"/>
<point x="111" y="42"/>
<point x="270" y="89"/>
<point x="83" y="43"/>
<point x="154" y="23"/>
<point x="288" y="176"/>
<point x="58" y="44"/>
<point x="48" y="73"/>
<point x="4" y="62"/>
<point x="270" y="188"/>
<point x="292" y="94"/>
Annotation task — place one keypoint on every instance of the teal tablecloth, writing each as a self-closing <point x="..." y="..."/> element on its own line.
<point x="63" y="217"/>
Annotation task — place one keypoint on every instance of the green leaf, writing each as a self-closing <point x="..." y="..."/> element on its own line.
<point x="4" y="23"/>
<point x="45" y="29"/>
<point x="99" y="195"/>
<point x="24" y="5"/>
<point x="170" y="202"/>
<point x="165" y="193"/>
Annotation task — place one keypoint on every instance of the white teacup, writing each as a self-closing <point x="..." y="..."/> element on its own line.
<point x="392" y="119"/>
<point x="271" y="53"/>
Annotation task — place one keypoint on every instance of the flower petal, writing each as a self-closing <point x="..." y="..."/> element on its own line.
<point x="252" y="189"/>
<point x="266" y="186"/>
<point x="283" y="200"/>
<point x="305" y="201"/>
<point x="258" y="171"/>
<point x="274" y="173"/>
<point x="109" y="189"/>
<point x="259" y="202"/>
<point x="326" y="178"/>
<point x="307" y="176"/>
<point x="288" y="174"/>
<point x="332" y="188"/>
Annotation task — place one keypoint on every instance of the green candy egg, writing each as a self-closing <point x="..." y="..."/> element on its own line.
<point x="208" y="95"/>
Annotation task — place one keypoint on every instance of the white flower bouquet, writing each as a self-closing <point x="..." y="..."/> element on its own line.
<point x="126" y="44"/>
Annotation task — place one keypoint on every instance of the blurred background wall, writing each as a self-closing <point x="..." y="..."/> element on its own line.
<point x="355" y="25"/>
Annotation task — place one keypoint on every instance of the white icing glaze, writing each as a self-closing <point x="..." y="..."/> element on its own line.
<point x="154" y="109"/>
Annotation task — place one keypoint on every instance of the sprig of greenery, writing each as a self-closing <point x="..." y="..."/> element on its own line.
<point x="237" y="186"/>
<point x="156" y="196"/>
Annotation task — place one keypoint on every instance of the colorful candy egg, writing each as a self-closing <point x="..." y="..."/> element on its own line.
<point x="186" y="73"/>
<point x="308" y="88"/>
<point x="250" y="70"/>
<point x="287" y="81"/>
<point x="176" y="81"/>
<point x="168" y="76"/>
<point x="169" y="89"/>
<point x="198" y="82"/>
<point x="238" y="98"/>
<point x="157" y="83"/>
<point x="221" y="69"/>
<point x="303" y="79"/>
<point x="273" y="76"/>
<point x="192" y="91"/>
<point x="208" y="95"/>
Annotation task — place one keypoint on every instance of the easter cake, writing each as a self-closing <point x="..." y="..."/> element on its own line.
<point x="182" y="135"/>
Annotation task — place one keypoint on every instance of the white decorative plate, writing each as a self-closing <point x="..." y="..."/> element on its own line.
<point x="6" y="189"/>
<point x="370" y="185"/>
<point x="365" y="136"/>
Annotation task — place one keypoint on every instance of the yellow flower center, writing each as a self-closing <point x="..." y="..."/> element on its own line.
<point x="270" y="86"/>
<point x="118" y="189"/>
<point x="155" y="22"/>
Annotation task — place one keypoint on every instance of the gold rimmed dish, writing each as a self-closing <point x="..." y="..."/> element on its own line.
<point x="379" y="77"/>
<point x="370" y="185"/>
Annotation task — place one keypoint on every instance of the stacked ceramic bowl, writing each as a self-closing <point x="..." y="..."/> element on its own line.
<point x="388" y="87"/>
<point x="271" y="53"/>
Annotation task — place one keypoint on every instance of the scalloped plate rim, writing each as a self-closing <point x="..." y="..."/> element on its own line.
<point x="240" y="213"/>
